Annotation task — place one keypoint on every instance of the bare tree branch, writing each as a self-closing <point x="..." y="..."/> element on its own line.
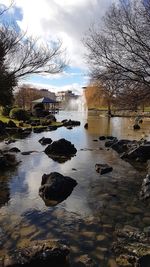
<point x="122" y="45"/>
<point x="4" y="9"/>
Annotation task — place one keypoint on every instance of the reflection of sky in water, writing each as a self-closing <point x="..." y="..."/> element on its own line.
<point x="26" y="181"/>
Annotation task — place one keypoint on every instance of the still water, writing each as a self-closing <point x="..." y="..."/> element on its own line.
<point x="98" y="204"/>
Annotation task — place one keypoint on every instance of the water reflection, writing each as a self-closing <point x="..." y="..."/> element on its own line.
<point x="117" y="126"/>
<point x="59" y="159"/>
<point x="97" y="205"/>
<point x="5" y="191"/>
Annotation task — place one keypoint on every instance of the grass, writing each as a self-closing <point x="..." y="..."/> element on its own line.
<point x="6" y="120"/>
<point x="105" y="108"/>
<point x="146" y="109"/>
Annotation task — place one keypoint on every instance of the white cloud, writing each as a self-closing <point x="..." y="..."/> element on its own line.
<point x="65" y="19"/>
<point x="60" y="75"/>
<point x="74" y="87"/>
<point x="68" y="20"/>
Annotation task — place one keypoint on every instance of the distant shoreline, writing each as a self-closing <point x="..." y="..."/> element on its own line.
<point x="119" y="113"/>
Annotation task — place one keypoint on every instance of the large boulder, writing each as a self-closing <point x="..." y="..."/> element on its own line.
<point x="110" y="142"/>
<point x="141" y="153"/>
<point x="61" y="149"/>
<point x="38" y="253"/>
<point x="121" y="145"/>
<point x="55" y="188"/>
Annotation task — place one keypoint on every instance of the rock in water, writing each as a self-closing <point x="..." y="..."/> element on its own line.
<point x="38" y="253"/>
<point x="131" y="248"/>
<point x="71" y="123"/>
<point x="55" y="188"/>
<point x="61" y="150"/>
<point x="86" y="125"/>
<point x="145" y="190"/>
<point x="85" y="261"/>
<point x="136" y="127"/>
<point x="103" y="168"/>
<point x="7" y="161"/>
<point x="14" y="149"/>
<point x="45" y="141"/>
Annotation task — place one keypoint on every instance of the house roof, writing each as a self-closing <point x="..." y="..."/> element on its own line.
<point x="44" y="100"/>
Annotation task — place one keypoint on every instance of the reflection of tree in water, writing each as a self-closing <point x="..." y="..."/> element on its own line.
<point x="4" y="190"/>
<point x="99" y="125"/>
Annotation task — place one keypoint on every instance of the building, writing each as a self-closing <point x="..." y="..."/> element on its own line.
<point x="47" y="93"/>
<point x="63" y="96"/>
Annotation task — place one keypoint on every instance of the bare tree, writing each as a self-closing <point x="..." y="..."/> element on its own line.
<point x="4" y="9"/>
<point x="21" y="56"/>
<point x="122" y="44"/>
<point x="25" y="95"/>
<point x="24" y="56"/>
<point x="109" y="84"/>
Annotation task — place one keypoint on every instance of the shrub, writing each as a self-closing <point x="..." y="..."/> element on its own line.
<point x="19" y="114"/>
<point x="6" y="110"/>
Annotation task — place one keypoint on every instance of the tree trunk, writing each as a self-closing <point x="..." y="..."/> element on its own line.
<point x="109" y="108"/>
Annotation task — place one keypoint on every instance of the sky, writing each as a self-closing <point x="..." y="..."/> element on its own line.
<point x="68" y="20"/>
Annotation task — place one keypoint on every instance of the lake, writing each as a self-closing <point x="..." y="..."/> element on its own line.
<point x="97" y="206"/>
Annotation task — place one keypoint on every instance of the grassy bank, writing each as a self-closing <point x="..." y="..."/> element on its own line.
<point x="7" y="119"/>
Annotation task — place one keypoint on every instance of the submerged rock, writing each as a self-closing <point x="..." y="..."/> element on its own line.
<point x="60" y="149"/>
<point x="38" y="253"/>
<point x="55" y="188"/>
<point x="85" y="261"/>
<point x="132" y="248"/>
<point x="103" y="168"/>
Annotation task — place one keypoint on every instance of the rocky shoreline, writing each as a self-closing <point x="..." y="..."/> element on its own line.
<point x="131" y="245"/>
